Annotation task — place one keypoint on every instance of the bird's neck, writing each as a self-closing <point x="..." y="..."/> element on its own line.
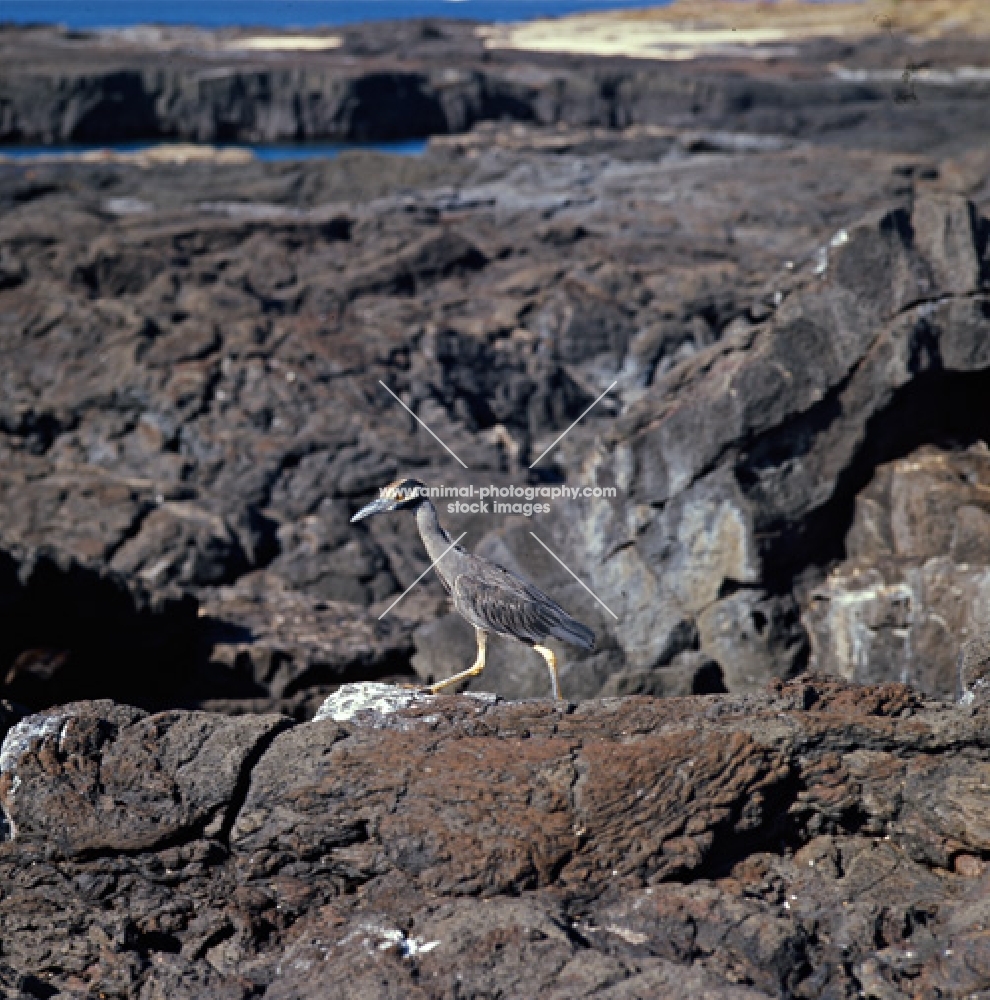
<point x="435" y="538"/>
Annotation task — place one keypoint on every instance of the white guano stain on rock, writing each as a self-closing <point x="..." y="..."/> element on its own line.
<point x="853" y="617"/>
<point x="381" y="700"/>
<point x="384" y="699"/>
<point x="387" y="938"/>
<point x="17" y="741"/>
<point x="20" y="737"/>
<point x="821" y="254"/>
<point x="627" y="934"/>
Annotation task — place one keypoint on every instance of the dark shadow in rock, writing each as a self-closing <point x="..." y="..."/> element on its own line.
<point x="947" y="409"/>
<point x="219" y="631"/>
<point x="780" y="831"/>
<point x="212" y="681"/>
<point x="71" y="633"/>
<point x="35" y="987"/>
<point x="393" y="106"/>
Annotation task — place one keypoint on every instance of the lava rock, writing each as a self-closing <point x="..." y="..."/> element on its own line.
<point x="910" y="597"/>
<point x="754" y="459"/>
<point x="625" y="846"/>
<point x="209" y="364"/>
<point x="128" y="780"/>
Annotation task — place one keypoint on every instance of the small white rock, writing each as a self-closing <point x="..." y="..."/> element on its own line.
<point x="384" y="699"/>
<point x="127" y="206"/>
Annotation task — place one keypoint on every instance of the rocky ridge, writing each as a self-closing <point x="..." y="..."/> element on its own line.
<point x="786" y="68"/>
<point x="196" y="397"/>
<point x="815" y="840"/>
<point x="743" y="479"/>
<point x="784" y="271"/>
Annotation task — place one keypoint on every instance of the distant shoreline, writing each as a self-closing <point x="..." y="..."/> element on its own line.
<point x="161" y="152"/>
<point x="263" y="14"/>
<point x="795" y="68"/>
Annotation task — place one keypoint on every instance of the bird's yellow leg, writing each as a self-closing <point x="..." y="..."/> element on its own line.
<point x="551" y="659"/>
<point x="473" y="671"/>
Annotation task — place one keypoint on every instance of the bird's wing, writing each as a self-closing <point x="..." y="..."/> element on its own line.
<point x="500" y="601"/>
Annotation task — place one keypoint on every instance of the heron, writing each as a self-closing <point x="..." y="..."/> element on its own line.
<point x="486" y="595"/>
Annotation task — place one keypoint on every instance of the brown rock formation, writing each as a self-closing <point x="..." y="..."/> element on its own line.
<point x="192" y="405"/>
<point x="814" y="840"/>
<point x="794" y="309"/>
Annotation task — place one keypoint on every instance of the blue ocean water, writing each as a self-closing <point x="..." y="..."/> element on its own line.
<point x="288" y="13"/>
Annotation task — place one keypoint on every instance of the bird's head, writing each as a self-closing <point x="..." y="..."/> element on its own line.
<point x="403" y="494"/>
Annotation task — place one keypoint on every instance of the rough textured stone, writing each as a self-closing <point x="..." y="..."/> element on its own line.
<point x="378" y="699"/>
<point x="974" y="661"/>
<point x="815" y="839"/>
<point x="128" y="781"/>
<point x="914" y="590"/>
<point x="752" y="463"/>
<point x="397" y="79"/>
<point x="180" y="458"/>
<point x="690" y="672"/>
<point x="784" y="271"/>
<point x="753" y="634"/>
<point x="785" y="296"/>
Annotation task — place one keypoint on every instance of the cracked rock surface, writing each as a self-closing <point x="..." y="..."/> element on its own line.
<point x="780" y="270"/>
<point x="817" y="839"/>
<point x="780" y="266"/>
<point x="193" y="404"/>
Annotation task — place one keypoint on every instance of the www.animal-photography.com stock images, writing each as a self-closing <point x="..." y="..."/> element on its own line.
<point x="495" y="499"/>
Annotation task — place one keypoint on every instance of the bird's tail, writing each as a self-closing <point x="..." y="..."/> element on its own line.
<point x="569" y="629"/>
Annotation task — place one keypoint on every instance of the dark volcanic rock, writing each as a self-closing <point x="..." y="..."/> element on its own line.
<point x="194" y="406"/>
<point x="909" y="596"/>
<point x="745" y="475"/>
<point x="392" y="81"/>
<point x="818" y="839"/>
<point x="208" y="366"/>
<point x="129" y="781"/>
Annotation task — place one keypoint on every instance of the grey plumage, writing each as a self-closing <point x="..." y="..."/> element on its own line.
<point x="496" y="600"/>
<point x="487" y="595"/>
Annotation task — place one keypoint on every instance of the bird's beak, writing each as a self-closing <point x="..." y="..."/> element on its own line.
<point x="375" y="507"/>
